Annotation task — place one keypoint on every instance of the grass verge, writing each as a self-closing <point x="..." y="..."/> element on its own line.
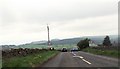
<point x="30" y="60"/>
<point x="110" y="53"/>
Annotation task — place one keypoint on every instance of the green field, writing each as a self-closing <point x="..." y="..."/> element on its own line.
<point x="110" y="53"/>
<point x="30" y="60"/>
<point x="45" y="46"/>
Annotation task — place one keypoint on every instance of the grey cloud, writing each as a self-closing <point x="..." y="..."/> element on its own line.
<point x="76" y="17"/>
<point x="61" y="11"/>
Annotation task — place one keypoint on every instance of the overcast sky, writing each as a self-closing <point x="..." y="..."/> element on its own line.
<point x="24" y="21"/>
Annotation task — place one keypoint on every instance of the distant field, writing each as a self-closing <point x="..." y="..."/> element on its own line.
<point x="32" y="46"/>
<point x="45" y="46"/>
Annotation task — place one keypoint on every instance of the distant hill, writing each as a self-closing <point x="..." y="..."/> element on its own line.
<point x="95" y="39"/>
<point x="70" y="41"/>
<point x="39" y="42"/>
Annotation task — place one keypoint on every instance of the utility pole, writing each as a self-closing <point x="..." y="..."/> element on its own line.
<point x="48" y="36"/>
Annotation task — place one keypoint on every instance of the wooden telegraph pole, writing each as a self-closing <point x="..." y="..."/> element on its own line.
<point x="48" y="36"/>
<point x="49" y="43"/>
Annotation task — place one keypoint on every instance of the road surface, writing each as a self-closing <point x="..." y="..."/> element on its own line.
<point x="80" y="59"/>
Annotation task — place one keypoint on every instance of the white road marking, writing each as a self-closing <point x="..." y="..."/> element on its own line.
<point x="86" y="61"/>
<point x="74" y="54"/>
<point x="78" y="56"/>
<point x="81" y="58"/>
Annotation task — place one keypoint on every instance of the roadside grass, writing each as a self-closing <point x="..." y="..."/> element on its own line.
<point x="110" y="53"/>
<point x="0" y="63"/>
<point x="28" y="61"/>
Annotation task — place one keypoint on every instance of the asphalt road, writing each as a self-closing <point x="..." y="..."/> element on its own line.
<point x="80" y="59"/>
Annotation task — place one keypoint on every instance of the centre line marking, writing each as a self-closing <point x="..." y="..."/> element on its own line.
<point x="86" y="61"/>
<point x="74" y="54"/>
<point x="83" y="59"/>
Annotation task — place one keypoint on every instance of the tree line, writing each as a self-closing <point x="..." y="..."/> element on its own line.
<point x="85" y="43"/>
